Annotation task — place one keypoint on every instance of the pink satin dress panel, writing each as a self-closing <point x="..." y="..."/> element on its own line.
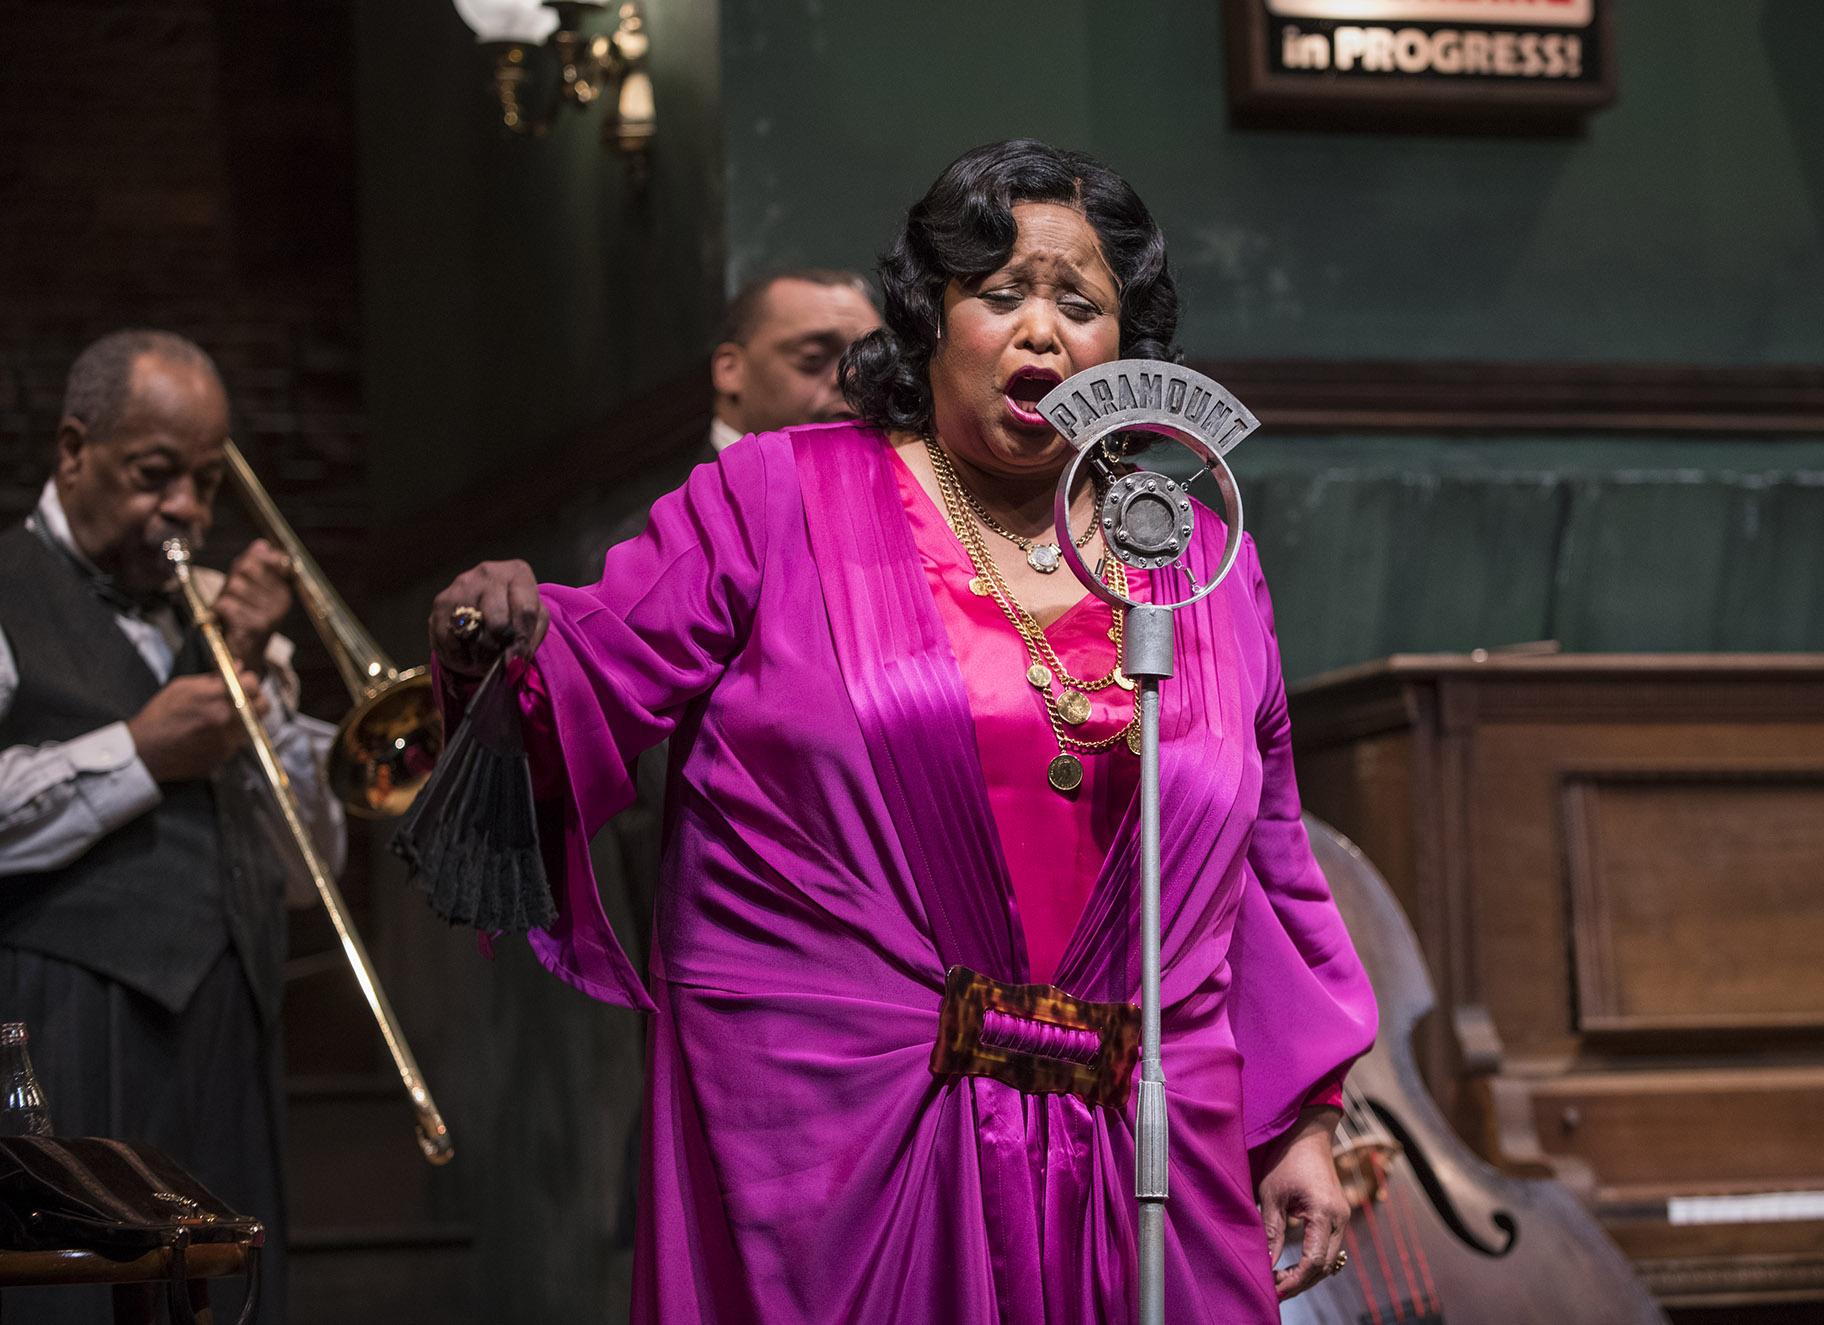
<point x="1054" y="842"/>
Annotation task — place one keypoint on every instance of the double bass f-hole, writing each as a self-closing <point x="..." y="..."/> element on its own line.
<point x="1376" y="1142"/>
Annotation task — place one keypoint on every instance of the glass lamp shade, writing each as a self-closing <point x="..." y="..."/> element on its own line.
<point x="527" y="21"/>
<point x="635" y="108"/>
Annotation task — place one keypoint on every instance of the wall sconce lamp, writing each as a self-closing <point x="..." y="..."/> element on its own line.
<point x="588" y="66"/>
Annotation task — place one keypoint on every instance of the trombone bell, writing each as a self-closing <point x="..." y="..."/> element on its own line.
<point x="386" y="747"/>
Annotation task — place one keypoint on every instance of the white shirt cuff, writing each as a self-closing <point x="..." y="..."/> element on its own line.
<point x="128" y="792"/>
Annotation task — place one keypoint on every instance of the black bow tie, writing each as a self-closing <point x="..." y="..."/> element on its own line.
<point x="123" y="603"/>
<point x="104" y="586"/>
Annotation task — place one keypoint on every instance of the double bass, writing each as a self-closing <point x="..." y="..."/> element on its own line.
<point x="1437" y="1236"/>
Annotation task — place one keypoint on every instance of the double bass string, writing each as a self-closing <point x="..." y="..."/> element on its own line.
<point x="1394" y="1206"/>
<point x="1401" y="1225"/>
<point x="1402" y="1211"/>
<point x="1402" y="1202"/>
<point x="1356" y="1117"/>
<point x="1366" y="1139"/>
<point x="1362" y="1276"/>
<point x="1355" y="1133"/>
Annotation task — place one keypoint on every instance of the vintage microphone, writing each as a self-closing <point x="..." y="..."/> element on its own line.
<point x="1148" y="522"/>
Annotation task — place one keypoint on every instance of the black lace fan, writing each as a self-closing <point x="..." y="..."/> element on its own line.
<point x="470" y="837"/>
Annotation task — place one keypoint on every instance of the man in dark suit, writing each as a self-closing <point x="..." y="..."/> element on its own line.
<point x="782" y="337"/>
<point x="142" y="911"/>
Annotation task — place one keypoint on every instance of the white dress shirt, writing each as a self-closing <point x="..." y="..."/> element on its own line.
<point x="723" y="435"/>
<point x="58" y="799"/>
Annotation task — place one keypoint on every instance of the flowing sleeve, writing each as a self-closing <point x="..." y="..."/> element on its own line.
<point x="1301" y="1006"/>
<point x="622" y="661"/>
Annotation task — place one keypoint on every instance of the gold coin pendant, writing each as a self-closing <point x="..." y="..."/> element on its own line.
<point x="1065" y="772"/>
<point x="1073" y="707"/>
<point x="1123" y="680"/>
<point x="979" y="587"/>
<point x="1040" y="676"/>
<point x="1133" y="739"/>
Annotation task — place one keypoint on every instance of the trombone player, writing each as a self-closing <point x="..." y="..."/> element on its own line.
<point x="142" y="912"/>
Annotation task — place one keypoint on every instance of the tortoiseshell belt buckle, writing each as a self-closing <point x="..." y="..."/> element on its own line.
<point x="1036" y="1038"/>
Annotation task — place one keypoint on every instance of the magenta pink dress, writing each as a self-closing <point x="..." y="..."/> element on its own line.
<point x="1054" y="844"/>
<point x="834" y="845"/>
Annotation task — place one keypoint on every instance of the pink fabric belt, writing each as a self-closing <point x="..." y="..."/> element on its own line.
<point x="1001" y="1030"/>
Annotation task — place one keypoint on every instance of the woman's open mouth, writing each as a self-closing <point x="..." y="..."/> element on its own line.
<point x="1023" y="392"/>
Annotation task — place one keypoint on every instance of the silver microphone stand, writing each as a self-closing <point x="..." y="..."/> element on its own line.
<point x="1147" y="521"/>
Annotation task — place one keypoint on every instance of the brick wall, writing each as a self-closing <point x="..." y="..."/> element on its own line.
<point x="190" y="164"/>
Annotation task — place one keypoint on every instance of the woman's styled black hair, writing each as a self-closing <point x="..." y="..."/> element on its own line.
<point x="963" y="228"/>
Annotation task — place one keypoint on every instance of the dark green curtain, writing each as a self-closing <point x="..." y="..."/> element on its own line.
<point x="1386" y="545"/>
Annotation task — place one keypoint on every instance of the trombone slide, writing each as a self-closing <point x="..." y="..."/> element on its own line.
<point x="433" y="1134"/>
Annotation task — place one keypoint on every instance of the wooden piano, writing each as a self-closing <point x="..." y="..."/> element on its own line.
<point x="1615" y="865"/>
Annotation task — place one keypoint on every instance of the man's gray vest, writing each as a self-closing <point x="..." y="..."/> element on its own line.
<point x="153" y="904"/>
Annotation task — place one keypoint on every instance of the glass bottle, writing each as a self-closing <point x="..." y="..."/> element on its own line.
<point x="22" y="1110"/>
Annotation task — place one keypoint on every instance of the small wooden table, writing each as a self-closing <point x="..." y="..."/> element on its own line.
<point x="138" y="1284"/>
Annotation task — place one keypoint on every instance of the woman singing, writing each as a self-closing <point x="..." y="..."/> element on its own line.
<point x="900" y="743"/>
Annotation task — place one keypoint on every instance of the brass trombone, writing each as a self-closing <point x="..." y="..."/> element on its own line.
<point x="384" y="750"/>
<point x="386" y="745"/>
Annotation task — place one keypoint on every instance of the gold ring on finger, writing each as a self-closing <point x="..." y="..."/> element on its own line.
<point x="465" y="623"/>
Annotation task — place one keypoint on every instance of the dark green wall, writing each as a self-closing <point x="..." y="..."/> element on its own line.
<point x="1682" y="227"/>
<point x="515" y="291"/>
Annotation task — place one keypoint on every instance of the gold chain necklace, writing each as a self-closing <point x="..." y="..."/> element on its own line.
<point x="1071" y="706"/>
<point x="1045" y="558"/>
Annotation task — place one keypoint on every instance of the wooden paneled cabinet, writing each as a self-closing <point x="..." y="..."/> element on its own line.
<point x="1615" y="865"/>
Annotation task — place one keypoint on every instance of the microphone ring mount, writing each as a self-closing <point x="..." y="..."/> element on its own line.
<point x="1097" y="411"/>
<point x="1147" y="520"/>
